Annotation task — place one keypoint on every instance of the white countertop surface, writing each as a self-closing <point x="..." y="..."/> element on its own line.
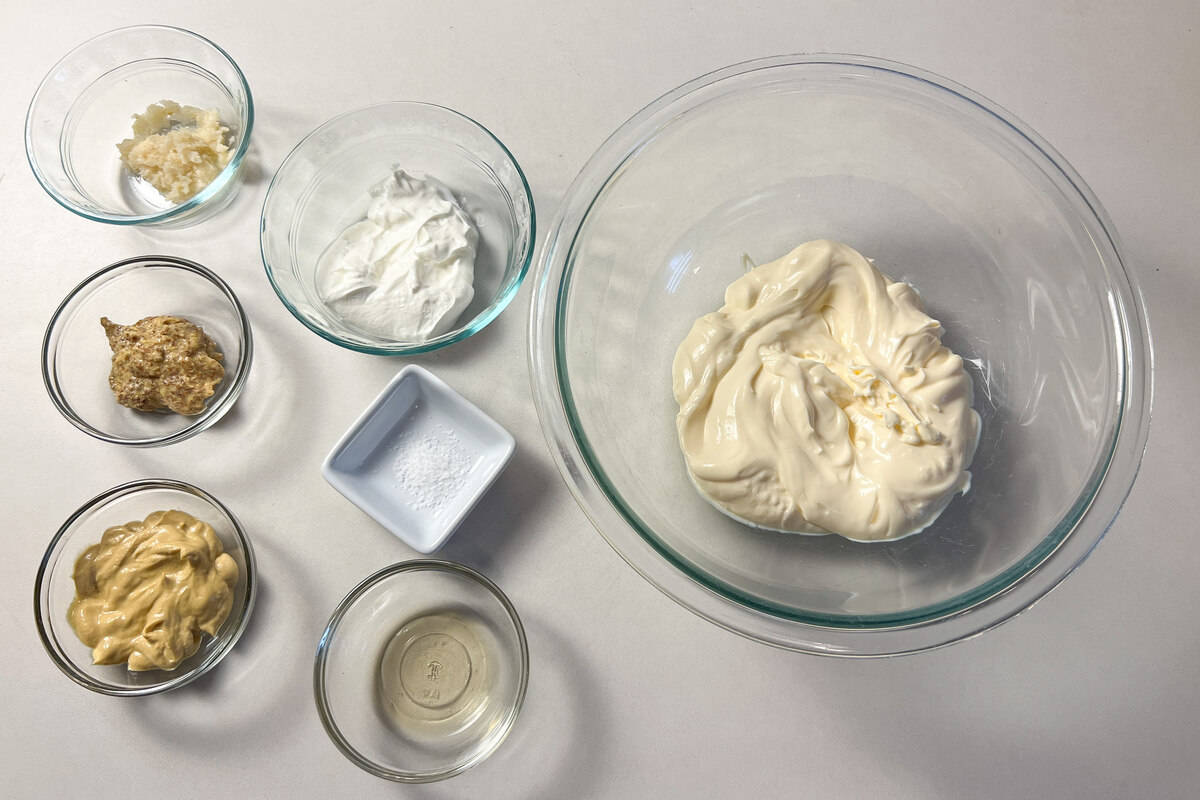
<point x="1091" y="694"/>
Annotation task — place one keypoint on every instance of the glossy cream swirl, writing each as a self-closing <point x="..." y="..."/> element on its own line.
<point x="820" y="399"/>
<point x="147" y="591"/>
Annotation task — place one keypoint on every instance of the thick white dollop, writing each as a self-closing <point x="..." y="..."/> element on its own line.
<point x="820" y="399"/>
<point x="406" y="272"/>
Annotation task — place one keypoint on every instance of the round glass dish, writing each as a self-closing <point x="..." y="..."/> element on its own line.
<point x="421" y="672"/>
<point x="84" y="107"/>
<point x="1008" y="247"/>
<point x="322" y="188"/>
<point x="76" y="358"/>
<point x="55" y="589"/>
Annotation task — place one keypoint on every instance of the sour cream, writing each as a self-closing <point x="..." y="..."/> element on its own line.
<point x="820" y="399"/>
<point x="406" y="272"/>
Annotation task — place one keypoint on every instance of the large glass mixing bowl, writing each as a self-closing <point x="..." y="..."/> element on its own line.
<point x="1007" y="246"/>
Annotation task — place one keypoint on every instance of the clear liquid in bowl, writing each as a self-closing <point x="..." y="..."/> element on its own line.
<point x="435" y="677"/>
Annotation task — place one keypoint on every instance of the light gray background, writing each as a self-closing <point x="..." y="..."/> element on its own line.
<point x="1092" y="694"/>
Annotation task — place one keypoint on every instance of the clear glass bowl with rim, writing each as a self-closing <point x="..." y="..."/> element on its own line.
<point x="54" y="587"/>
<point x="84" y="107"/>
<point x="1007" y="246"/>
<point x="322" y="188"/>
<point x="421" y="671"/>
<point x="76" y="358"/>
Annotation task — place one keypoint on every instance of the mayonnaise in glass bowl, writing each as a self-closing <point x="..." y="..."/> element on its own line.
<point x="1007" y="247"/>
<point x="322" y="188"/>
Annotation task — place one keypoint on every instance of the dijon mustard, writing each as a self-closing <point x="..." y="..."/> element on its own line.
<point x="147" y="591"/>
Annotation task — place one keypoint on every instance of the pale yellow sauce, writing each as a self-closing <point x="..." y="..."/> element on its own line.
<point x="820" y="399"/>
<point x="148" y="591"/>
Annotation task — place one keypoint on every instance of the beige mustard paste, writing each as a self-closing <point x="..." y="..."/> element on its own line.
<point x="148" y="591"/>
<point x="820" y="399"/>
<point x="162" y="362"/>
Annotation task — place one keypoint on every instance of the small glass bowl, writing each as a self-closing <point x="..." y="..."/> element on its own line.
<point x="55" y="588"/>
<point x="322" y="188"/>
<point x="409" y="696"/>
<point x="84" y="107"/>
<point x="76" y="358"/>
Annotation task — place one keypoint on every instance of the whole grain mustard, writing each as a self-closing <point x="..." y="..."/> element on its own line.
<point x="162" y="362"/>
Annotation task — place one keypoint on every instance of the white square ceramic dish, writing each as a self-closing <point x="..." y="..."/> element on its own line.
<point x="419" y="458"/>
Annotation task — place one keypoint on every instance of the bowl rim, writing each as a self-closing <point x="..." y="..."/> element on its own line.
<point x="201" y="421"/>
<point x="1011" y="592"/>
<point x="67" y="666"/>
<point x="214" y="188"/>
<point x="327" y="638"/>
<point x="480" y="321"/>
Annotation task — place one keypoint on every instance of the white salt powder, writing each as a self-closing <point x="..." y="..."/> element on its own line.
<point x="431" y="466"/>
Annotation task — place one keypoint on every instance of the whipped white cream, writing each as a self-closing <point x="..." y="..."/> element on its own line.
<point x="820" y="399"/>
<point x="406" y="272"/>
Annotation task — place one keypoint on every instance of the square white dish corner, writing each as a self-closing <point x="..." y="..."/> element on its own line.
<point x="419" y="458"/>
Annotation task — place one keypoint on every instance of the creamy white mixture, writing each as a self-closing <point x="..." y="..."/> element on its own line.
<point x="820" y="399"/>
<point x="406" y="272"/>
